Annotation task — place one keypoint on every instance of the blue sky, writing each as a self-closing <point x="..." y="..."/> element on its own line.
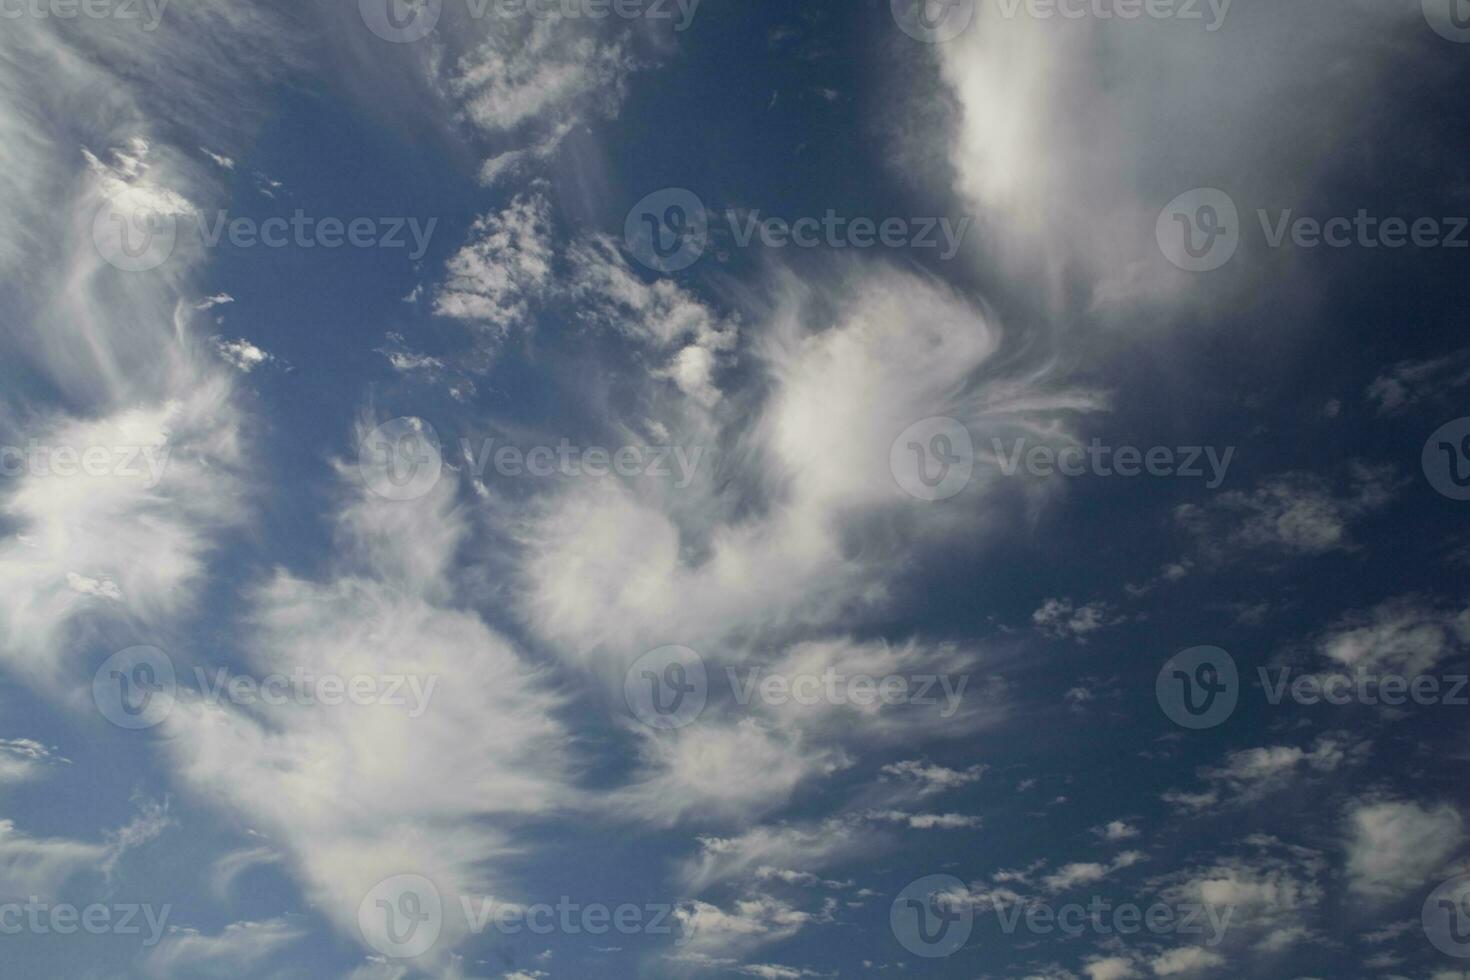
<point x="535" y="490"/>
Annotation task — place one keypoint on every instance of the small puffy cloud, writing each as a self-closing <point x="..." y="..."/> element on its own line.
<point x="1186" y="961"/>
<point x="1292" y="514"/>
<point x="496" y="277"/>
<point x="1250" y="775"/>
<point x="1394" y="847"/>
<point x="1087" y="872"/>
<point x="1409" y="383"/>
<point x="1116" y="830"/>
<point x="241" y="354"/>
<point x="1061" y="619"/>
<point x="708" y="931"/>
<point x="926" y="779"/>
<point x="804" y="847"/>
<point x="1408" y="635"/>
<point x="1111" y="968"/>
<point x="927" y="821"/>
<point x="25" y="758"/>
<point x="241" y="947"/>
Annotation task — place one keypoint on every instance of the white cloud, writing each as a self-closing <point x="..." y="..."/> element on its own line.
<point x="25" y="758"/>
<point x="1185" y="961"/>
<point x="1291" y="514"/>
<point x="493" y="280"/>
<point x="749" y="924"/>
<point x="927" y="779"/>
<point x="241" y="354"/>
<point x="927" y="821"/>
<point x="1072" y="174"/>
<point x="1250" y="775"/>
<point x="1088" y="872"/>
<point x="354" y="793"/>
<point x="1111" y="968"/>
<point x="1116" y="830"/>
<point x="241" y="947"/>
<point x="805" y="847"/>
<point x="1408" y="635"/>
<point x="1060" y="619"/>
<point x="1409" y="383"/>
<point x="1394" y="847"/>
